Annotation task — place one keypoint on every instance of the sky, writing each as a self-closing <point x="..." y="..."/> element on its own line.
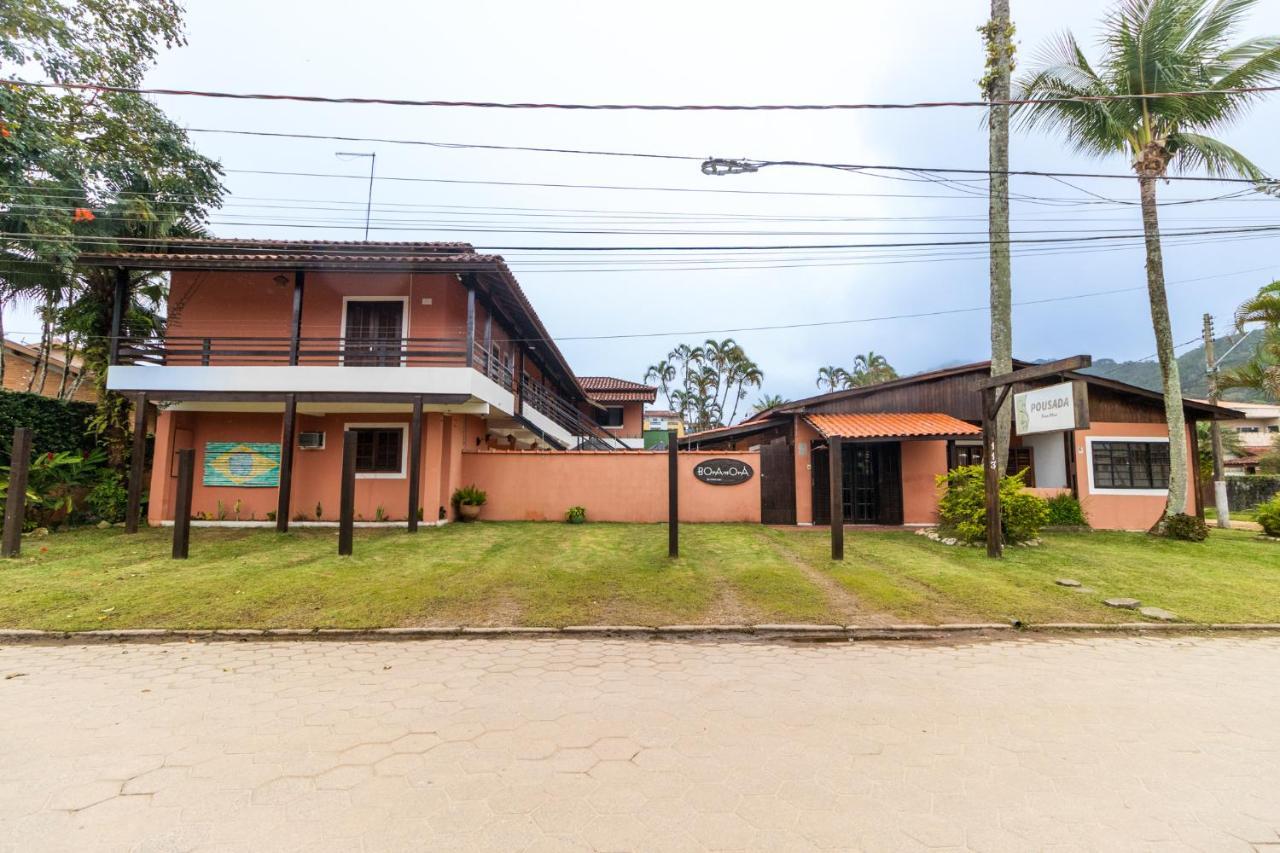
<point x="742" y="52"/>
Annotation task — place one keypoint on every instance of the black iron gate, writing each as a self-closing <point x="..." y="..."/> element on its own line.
<point x="777" y="483"/>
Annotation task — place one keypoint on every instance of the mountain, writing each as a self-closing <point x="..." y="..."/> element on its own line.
<point x="1191" y="368"/>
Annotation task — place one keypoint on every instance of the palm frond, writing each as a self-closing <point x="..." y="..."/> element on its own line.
<point x="1194" y="152"/>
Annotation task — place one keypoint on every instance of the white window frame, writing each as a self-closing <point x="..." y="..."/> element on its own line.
<point x="404" y="323"/>
<point x="1124" y="439"/>
<point x="404" y="450"/>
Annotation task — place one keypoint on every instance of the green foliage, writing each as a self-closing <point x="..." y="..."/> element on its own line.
<point x="56" y="425"/>
<point x="963" y="512"/>
<point x="1268" y="515"/>
<point x="869" y="368"/>
<point x="470" y="496"/>
<point x="1064" y="511"/>
<point x="109" y="499"/>
<point x="1261" y="373"/>
<point x="55" y="481"/>
<point x="706" y="383"/>
<point x="576" y="514"/>
<point x="1187" y="528"/>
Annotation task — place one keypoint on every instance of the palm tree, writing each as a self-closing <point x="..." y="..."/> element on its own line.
<point x="767" y="402"/>
<point x="748" y="375"/>
<point x="1262" y="371"/>
<point x="664" y="373"/>
<point x="868" y="369"/>
<point x="1152" y="47"/>
<point x="831" y="377"/>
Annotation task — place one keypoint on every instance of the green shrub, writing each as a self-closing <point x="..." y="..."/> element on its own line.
<point x="469" y="495"/>
<point x="1065" y="511"/>
<point x="963" y="508"/>
<point x="109" y="499"/>
<point x="576" y="514"/>
<point x="56" y="425"/>
<point x="1188" y="528"/>
<point x="1268" y="515"/>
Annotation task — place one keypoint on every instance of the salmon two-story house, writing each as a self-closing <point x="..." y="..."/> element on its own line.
<point x="274" y="350"/>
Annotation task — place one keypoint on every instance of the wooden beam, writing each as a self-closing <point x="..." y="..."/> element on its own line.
<point x="119" y="307"/>
<point x="295" y="328"/>
<point x="306" y="397"/>
<point x="1039" y="371"/>
<point x="15" y="505"/>
<point x="469" y="281"/>
<point x="347" y="509"/>
<point x="137" y="460"/>
<point x="415" y="464"/>
<point x="673" y="495"/>
<point x="488" y="342"/>
<point x="182" y="504"/>
<point x="288" y="442"/>
<point x="835" y="467"/>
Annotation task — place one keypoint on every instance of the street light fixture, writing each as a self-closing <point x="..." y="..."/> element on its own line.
<point x="368" y="205"/>
<point x="723" y="166"/>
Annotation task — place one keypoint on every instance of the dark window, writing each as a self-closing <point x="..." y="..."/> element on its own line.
<point x="378" y="451"/>
<point x="1131" y="464"/>
<point x="1273" y="428"/>
<point x="1019" y="458"/>
<point x="610" y="416"/>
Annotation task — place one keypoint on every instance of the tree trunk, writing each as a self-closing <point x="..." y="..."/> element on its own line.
<point x="5" y="353"/>
<point x="1170" y="380"/>
<point x="67" y="352"/>
<point x="999" y="59"/>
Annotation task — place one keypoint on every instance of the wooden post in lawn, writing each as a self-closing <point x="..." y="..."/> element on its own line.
<point x="137" y="462"/>
<point x="673" y="494"/>
<point x="182" y="504"/>
<point x="15" y="506"/>
<point x="835" y="465"/>
<point x="288" y="440"/>
<point x="347" y="510"/>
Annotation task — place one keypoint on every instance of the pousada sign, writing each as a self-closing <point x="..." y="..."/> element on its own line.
<point x="1051" y="409"/>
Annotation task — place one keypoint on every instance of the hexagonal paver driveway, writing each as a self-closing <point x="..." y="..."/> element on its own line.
<point x="588" y="744"/>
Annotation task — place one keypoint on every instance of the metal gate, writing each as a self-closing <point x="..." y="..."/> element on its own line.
<point x="777" y="483"/>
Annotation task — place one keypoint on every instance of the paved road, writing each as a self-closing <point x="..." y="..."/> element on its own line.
<point x="1118" y="744"/>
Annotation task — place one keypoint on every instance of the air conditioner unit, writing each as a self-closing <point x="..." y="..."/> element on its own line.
<point x="311" y="440"/>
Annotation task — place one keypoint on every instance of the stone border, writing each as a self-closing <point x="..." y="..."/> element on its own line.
<point x="670" y="632"/>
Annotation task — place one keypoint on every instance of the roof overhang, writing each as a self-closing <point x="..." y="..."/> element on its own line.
<point x="892" y="426"/>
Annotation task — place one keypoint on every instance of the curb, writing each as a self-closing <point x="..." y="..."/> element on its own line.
<point x="666" y="632"/>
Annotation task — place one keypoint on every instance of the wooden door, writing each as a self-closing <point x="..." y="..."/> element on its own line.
<point x="820" y="479"/>
<point x="777" y="483"/>
<point x="373" y="333"/>
<point x="889" y="483"/>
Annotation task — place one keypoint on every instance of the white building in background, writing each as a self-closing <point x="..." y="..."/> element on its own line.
<point x="1258" y="431"/>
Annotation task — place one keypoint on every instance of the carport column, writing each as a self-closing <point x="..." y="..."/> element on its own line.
<point x="835" y="480"/>
<point x="288" y="438"/>
<point x="347" y="502"/>
<point x="136" y="460"/>
<point x="415" y="463"/>
<point x="182" y="508"/>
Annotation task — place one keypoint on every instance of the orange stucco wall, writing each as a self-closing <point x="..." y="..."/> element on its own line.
<point x="922" y="462"/>
<point x="613" y="486"/>
<point x="1123" y="512"/>
<point x="804" y="471"/>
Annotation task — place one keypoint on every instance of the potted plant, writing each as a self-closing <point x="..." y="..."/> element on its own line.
<point x="468" y="500"/>
<point x="576" y="515"/>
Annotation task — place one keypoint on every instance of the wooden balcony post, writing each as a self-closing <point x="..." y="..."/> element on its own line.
<point x="347" y="508"/>
<point x="288" y="441"/>
<point x="182" y="504"/>
<point x="119" y="306"/>
<point x="295" y="329"/>
<point x="415" y="463"/>
<point x="137" y="460"/>
<point x="835" y="464"/>
<point x="488" y="345"/>
<point x="15" y="506"/>
<point x="469" y="281"/>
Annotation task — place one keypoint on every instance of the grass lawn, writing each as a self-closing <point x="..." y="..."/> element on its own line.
<point x="558" y="574"/>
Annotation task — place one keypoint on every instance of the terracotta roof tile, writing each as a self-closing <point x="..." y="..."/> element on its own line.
<point x="890" y="425"/>
<point x="610" y="389"/>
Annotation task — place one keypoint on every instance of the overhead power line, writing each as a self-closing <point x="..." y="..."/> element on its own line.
<point x="524" y="105"/>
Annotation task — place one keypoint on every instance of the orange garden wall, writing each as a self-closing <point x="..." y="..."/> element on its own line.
<point x="613" y="486"/>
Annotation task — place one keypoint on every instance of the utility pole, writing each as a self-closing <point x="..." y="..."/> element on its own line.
<point x="368" y="204"/>
<point x="998" y="38"/>
<point x="1220" y="503"/>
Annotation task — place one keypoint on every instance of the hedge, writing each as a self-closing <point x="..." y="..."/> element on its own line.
<point x="56" y="425"/>
<point x="1248" y="491"/>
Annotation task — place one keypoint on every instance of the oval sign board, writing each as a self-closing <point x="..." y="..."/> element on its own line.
<point x="723" y="472"/>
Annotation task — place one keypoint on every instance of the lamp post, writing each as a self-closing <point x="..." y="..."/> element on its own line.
<point x="368" y="205"/>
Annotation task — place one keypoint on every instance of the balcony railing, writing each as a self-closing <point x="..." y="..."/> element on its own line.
<point x="587" y="433"/>
<point x="184" y="350"/>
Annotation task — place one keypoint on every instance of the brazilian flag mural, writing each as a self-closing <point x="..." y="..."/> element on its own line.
<point x="242" y="463"/>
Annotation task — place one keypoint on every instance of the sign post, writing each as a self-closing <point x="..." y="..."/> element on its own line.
<point x="673" y="494"/>
<point x="1057" y="407"/>
<point x="835" y="476"/>
<point x="15" y="508"/>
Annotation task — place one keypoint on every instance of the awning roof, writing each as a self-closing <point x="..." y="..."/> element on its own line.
<point x="891" y="425"/>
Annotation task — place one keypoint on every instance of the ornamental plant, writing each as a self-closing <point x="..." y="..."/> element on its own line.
<point x="962" y="509"/>
<point x="469" y="495"/>
<point x="1065" y="511"/>
<point x="1268" y="515"/>
<point x="576" y="514"/>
